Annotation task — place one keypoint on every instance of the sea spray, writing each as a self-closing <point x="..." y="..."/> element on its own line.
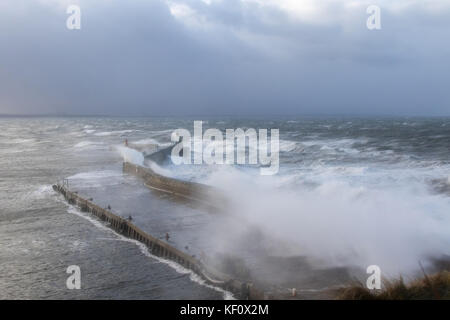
<point x="135" y="157"/>
<point x="339" y="223"/>
<point x="131" y="155"/>
<point x="159" y="170"/>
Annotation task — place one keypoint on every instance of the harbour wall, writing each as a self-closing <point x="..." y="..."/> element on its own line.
<point x="185" y="189"/>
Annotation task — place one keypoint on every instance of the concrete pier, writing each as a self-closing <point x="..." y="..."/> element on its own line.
<point x="185" y="189"/>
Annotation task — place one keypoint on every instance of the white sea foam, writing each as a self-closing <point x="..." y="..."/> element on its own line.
<point x="20" y="141"/>
<point x="137" y="158"/>
<point x="95" y="175"/>
<point x="284" y="145"/>
<point x="158" y="169"/>
<point x="152" y="142"/>
<point x="88" y="144"/>
<point x="110" y="133"/>
<point x="96" y="179"/>
<point x="42" y="192"/>
<point x="131" y="155"/>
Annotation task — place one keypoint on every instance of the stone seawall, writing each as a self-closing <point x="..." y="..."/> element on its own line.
<point x="185" y="189"/>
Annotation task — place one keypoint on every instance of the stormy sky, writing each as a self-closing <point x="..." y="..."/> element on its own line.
<point x="225" y="57"/>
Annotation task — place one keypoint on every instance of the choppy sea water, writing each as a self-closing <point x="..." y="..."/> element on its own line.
<point x="350" y="192"/>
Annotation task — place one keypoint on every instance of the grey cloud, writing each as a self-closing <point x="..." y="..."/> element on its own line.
<point x="133" y="57"/>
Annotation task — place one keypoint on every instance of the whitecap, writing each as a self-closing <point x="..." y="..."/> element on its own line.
<point x="92" y="175"/>
<point x="88" y="144"/>
<point x="110" y="133"/>
<point x="152" y="142"/>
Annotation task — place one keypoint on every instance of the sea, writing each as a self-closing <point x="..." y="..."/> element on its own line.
<point x="350" y="192"/>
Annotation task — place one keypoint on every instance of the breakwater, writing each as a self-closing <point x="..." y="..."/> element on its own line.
<point x="159" y="248"/>
<point x="185" y="189"/>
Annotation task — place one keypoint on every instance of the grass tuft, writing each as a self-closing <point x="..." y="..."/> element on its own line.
<point x="435" y="287"/>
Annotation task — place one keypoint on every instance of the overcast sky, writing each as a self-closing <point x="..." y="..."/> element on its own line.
<point x="225" y="57"/>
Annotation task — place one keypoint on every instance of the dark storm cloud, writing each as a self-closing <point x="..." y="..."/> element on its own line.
<point x="222" y="57"/>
